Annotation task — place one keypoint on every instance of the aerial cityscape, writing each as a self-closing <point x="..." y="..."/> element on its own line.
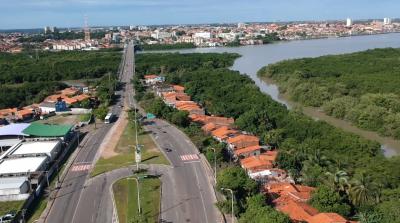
<point x="170" y="112"/>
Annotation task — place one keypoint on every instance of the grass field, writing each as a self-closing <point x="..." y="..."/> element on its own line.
<point x="150" y="153"/>
<point x="125" y="194"/>
<point x="62" y="119"/>
<point x="8" y="206"/>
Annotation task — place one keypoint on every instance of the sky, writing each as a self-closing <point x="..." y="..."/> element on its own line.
<point x="70" y="13"/>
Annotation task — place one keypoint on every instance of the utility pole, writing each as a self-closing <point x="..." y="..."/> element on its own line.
<point x="138" y="192"/>
<point x="232" y="211"/>
<point x="215" y="165"/>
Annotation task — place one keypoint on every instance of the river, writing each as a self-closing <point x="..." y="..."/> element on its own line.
<point x="254" y="58"/>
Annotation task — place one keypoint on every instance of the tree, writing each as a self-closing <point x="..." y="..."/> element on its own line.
<point x="180" y="118"/>
<point x="274" y="137"/>
<point x="236" y="179"/>
<point x="326" y="199"/>
<point x="258" y="211"/>
<point x="363" y="191"/>
<point x="338" y="180"/>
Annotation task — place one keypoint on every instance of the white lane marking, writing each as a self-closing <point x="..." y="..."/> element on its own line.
<point x="201" y="195"/>
<point x="189" y="157"/>
<point x="82" y="167"/>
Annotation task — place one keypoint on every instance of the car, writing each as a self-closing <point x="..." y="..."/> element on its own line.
<point x="168" y="150"/>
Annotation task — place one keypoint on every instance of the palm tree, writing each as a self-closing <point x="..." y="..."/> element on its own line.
<point x="339" y="180"/>
<point x="363" y="191"/>
<point x="318" y="158"/>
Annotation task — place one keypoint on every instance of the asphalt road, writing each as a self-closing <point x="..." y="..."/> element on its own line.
<point x="67" y="201"/>
<point x="187" y="193"/>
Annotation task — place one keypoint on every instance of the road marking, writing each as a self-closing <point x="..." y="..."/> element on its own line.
<point x="80" y="167"/>
<point x="189" y="157"/>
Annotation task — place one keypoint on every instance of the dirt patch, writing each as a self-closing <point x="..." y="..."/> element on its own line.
<point x="110" y="142"/>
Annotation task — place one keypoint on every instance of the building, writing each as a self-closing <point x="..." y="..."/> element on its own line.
<point x="387" y="21"/>
<point x="203" y="35"/>
<point x="22" y="166"/>
<point x="152" y="79"/>
<point x="349" y="22"/>
<point x="12" y="134"/>
<point x="49" y="148"/>
<point x="14" y="188"/>
<point x="63" y="132"/>
<point x="327" y="218"/>
<point x="242" y="141"/>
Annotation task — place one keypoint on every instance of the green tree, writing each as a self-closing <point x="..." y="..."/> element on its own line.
<point x="326" y="199"/>
<point x="258" y="211"/>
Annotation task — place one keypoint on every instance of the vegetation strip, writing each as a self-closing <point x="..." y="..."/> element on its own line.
<point x="313" y="152"/>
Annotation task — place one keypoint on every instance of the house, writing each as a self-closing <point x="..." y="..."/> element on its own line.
<point x="223" y="133"/>
<point x="47" y="107"/>
<point x="256" y="163"/>
<point x="190" y="107"/>
<point x="292" y="191"/>
<point x="69" y="92"/>
<point x="242" y="141"/>
<point x="248" y="151"/>
<point x="198" y="118"/>
<point x="327" y="218"/>
<point x="152" y="79"/>
<point x="171" y="98"/>
<point x="81" y="97"/>
<point x="298" y="212"/>
<point x="208" y="128"/>
<point x="265" y="176"/>
<point x="161" y="88"/>
<point x="178" y="88"/>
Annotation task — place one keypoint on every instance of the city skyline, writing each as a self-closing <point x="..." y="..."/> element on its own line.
<point x="70" y="13"/>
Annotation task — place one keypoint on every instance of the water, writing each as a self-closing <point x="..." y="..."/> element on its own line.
<point x="255" y="57"/>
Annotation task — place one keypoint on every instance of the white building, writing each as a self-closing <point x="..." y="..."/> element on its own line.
<point x="349" y="22"/>
<point x="22" y="166"/>
<point x="161" y="35"/>
<point x="14" y="188"/>
<point x="387" y="21"/>
<point x="204" y="35"/>
<point x="35" y="148"/>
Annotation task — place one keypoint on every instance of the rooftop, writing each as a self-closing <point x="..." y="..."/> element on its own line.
<point x="26" y="148"/>
<point x="21" y="165"/>
<point x="11" y="182"/>
<point x="47" y="130"/>
<point x="14" y="129"/>
<point x="248" y="149"/>
<point x="327" y="218"/>
<point x="242" y="138"/>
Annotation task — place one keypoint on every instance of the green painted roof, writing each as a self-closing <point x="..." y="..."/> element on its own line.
<point x="47" y="130"/>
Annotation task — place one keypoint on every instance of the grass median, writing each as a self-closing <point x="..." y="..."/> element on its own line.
<point x="126" y="152"/>
<point x="125" y="194"/>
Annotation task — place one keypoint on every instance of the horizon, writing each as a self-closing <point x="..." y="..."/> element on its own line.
<point x="211" y="23"/>
<point x="33" y="14"/>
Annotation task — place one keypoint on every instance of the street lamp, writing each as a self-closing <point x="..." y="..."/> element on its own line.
<point x="215" y="165"/>
<point x="138" y="190"/>
<point x="233" y="214"/>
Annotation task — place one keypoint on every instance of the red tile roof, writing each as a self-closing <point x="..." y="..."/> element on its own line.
<point x="256" y="162"/>
<point x="248" y="149"/>
<point x="293" y="191"/>
<point x="178" y="88"/>
<point x="297" y="211"/>
<point x="223" y="132"/>
<point x="327" y="218"/>
<point x="150" y="76"/>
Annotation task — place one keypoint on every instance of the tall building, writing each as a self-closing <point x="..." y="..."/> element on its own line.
<point x="349" y="22"/>
<point x="86" y="30"/>
<point x="241" y="25"/>
<point x="387" y="21"/>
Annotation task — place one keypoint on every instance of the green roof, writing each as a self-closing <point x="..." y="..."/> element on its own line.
<point x="47" y="130"/>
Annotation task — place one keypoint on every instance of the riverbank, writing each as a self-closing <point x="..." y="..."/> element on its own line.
<point x="390" y="146"/>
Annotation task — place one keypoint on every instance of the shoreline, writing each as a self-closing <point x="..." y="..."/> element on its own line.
<point x="274" y="42"/>
<point x="389" y="146"/>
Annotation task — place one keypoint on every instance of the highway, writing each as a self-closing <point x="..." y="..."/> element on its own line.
<point x="187" y="193"/>
<point x="65" y="205"/>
